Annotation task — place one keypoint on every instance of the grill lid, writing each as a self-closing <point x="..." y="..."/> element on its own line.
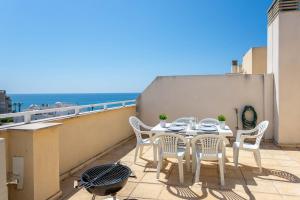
<point x="105" y="175"/>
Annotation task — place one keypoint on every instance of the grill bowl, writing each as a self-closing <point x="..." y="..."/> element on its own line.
<point x="112" y="179"/>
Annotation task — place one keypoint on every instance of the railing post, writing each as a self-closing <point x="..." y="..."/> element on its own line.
<point x="77" y="110"/>
<point x="27" y="118"/>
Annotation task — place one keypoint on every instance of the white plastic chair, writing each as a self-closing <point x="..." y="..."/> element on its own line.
<point x="209" y="121"/>
<point x="207" y="147"/>
<point x="216" y="122"/>
<point x="186" y="120"/>
<point x="168" y="148"/>
<point x="256" y="133"/>
<point x="140" y="142"/>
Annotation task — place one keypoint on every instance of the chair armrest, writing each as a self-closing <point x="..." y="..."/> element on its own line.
<point x="243" y="137"/>
<point x="246" y="131"/>
<point x="241" y="133"/>
<point x="145" y="126"/>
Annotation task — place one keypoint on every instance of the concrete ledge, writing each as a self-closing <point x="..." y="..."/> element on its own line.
<point x="34" y="126"/>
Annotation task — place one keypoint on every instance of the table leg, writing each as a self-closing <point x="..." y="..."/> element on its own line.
<point x="155" y="153"/>
<point x="188" y="154"/>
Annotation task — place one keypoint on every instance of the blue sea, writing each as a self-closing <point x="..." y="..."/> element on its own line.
<point x="75" y="99"/>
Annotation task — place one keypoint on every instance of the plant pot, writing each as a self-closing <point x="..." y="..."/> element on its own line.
<point x="162" y="123"/>
<point x="222" y="124"/>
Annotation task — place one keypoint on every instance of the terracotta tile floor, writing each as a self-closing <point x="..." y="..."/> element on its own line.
<point x="280" y="178"/>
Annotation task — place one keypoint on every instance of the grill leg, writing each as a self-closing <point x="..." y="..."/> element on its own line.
<point x="113" y="197"/>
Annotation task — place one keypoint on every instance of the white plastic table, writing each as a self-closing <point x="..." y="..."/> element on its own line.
<point x="190" y="133"/>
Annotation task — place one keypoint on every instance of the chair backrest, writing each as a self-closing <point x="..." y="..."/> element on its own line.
<point x="186" y="120"/>
<point x="209" y="121"/>
<point x="168" y="142"/>
<point x="135" y="124"/>
<point x="209" y="144"/>
<point x="261" y="129"/>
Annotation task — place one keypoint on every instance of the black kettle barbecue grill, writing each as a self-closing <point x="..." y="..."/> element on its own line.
<point x="105" y="180"/>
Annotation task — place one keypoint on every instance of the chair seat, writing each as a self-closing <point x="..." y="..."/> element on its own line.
<point x="245" y="146"/>
<point x="146" y="141"/>
<point x="209" y="157"/>
<point x="180" y="153"/>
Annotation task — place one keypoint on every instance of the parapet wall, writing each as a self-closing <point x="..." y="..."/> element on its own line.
<point x="208" y="96"/>
<point x="53" y="150"/>
<point x="82" y="138"/>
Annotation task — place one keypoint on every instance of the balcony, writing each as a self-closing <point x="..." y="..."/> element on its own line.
<point x="279" y="179"/>
<point x="55" y="151"/>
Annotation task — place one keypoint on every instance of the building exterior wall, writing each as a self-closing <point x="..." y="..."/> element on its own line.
<point x="289" y="85"/>
<point x="207" y="96"/>
<point x="5" y="102"/>
<point x="3" y="175"/>
<point x="272" y="68"/>
<point x="259" y="65"/>
<point x="248" y="62"/>
<point x="284" y="63"/>
<point x="255" y="61"/>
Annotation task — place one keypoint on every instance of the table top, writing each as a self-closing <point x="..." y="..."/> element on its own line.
<point x="192" y="132"/>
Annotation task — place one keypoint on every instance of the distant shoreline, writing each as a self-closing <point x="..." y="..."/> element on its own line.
<point x="68" y="98"/>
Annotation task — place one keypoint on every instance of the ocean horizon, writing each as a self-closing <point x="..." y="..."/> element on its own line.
<point x="68" y="98"/>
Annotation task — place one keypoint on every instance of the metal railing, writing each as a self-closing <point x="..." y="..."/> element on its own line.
<point x="76" y="110"/>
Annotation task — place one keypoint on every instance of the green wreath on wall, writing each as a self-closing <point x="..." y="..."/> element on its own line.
<point x="249" y="124"/>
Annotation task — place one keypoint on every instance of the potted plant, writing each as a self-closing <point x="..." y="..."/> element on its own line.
<point x="163" y="118"/>
<point x="222" y="120"/>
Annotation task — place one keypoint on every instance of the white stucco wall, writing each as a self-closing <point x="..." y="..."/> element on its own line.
<point x="272" y="68"/>
<point x="284" y="63"/>
<point x="289" y="73"/>
<point x="207" y="96"/>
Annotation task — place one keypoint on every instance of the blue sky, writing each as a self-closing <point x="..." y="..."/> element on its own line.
<point x="121" y="45"/>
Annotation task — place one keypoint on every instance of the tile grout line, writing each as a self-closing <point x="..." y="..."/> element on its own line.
<point x="278" y="193"/>
<point x="276" y="189"/>
<point x="132" y="190"/>
<point x="244" y="179"/>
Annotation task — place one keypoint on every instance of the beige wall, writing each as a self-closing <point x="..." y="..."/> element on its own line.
<point x="284" y="37"/>
<point x="83" y="137"/>
<point x="207" y="96"/>
<point x="38" y="145"/>
<point x="4" y="134"/>
<point x="3" y="175"/>
<point x="52" y="149"/>
<point x="247" y="62"/>
<point x="255" y="61"/>
<point x="46" y="163"/>
<point x="272" y="68"/>
<point x="259" y="60"/>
